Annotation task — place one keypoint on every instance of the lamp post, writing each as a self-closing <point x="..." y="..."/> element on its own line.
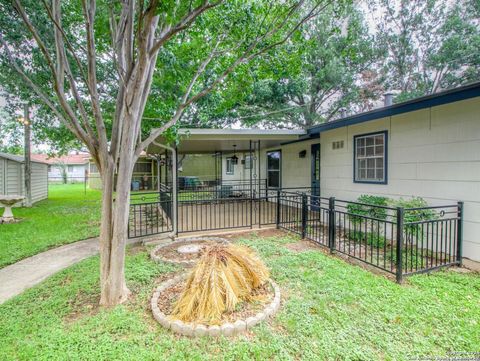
<point x="25" y="120"/>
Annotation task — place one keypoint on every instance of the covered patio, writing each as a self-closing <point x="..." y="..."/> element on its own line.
<point x="238" y="194"/>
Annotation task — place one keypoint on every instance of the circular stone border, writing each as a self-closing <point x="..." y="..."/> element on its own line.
<point x="158" y="258"/>
<point x="198" y="330"/>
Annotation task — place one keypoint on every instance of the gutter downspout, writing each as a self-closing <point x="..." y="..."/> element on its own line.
<point x="174" y="185"/>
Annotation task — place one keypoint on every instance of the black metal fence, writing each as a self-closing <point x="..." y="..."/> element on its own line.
<point x="205" y="207"/>
<point x="400" y="241"/>
<point x="397" y="240"/>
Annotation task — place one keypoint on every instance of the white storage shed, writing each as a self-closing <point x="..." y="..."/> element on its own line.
<point x="12" y="177"/>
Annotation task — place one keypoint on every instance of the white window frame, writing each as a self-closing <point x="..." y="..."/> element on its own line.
<point x="229" y="167"/>
<point x="279" y="170"/>
<point x="368" y="153"/>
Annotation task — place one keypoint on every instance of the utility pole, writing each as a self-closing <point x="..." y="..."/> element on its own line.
<point x="27" y="151"/>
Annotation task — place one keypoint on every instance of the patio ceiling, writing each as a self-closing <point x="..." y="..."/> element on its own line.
<point x="196" y="141"/>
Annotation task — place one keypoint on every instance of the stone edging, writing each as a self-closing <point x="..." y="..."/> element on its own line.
<point x="198" y="330"/>
<point x="158" y="258"/>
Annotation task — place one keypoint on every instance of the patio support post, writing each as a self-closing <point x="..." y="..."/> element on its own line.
<point x="166" y="167"/>
<point x="158" y="158"/>
<point x="399" y="254"/>
<point x="460" y="233"/>
<point x="277" y="216"/>
<point x="175" y="190"/>
<point x="259" y="176"/>
<point x="251" y="184"/>
<point x="331" y="224"/>
<point x="304" y="214"/>
<point x="174" y="195"/>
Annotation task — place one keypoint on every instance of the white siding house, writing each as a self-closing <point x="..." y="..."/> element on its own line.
<point x="71" y="168"/>
<point x="12" y="177"/>
<point x="432" y="150"/>
<point x="428" y="147"/>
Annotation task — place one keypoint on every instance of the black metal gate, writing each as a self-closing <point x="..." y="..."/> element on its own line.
<point x="150" y="214"/>
<point x="228" y="205"/>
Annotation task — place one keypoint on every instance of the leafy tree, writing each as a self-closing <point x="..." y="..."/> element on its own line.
<point x="95" y="69"/>
<point x="431" y="45"/>
<point x="324" y="67"/>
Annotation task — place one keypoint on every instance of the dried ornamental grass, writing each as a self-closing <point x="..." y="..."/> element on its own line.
<point x="224" y="276"/>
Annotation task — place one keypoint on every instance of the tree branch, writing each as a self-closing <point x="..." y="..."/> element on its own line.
<point x="184" y="23"/>
<point x="89" y="13"/>
<point x="201" y="68"/>
<point x="246" y="56"/>
<point x="75" y="129"/>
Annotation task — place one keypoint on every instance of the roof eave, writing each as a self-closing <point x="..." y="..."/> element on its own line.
<point x="446" y="97"/>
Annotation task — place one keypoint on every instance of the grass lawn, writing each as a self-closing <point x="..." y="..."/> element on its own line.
<point x="67" y="215"/>
<point x="330" y="310"/>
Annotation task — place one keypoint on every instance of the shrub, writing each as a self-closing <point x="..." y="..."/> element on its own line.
<point x="369" y="210"/>
<point x="412" y="216"/>
<point x="415" y="215"/>
<point x="224" y="276"/>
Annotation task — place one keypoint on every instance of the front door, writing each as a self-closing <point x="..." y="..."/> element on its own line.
<point x="315" y="169"/>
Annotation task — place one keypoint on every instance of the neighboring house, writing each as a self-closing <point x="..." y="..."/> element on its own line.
<point x="146" y="170"/>
<point x="12" y="177"/>
<point x="144" y="175"/>
<point x="203" y="166"/>
<point x="72" y="166"/>
<point x="427" y="147"/>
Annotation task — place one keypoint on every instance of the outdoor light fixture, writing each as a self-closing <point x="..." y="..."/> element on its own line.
<point x="23" y="121"/>
<point x="234" y="158"/>
<point x="302" y="154"/>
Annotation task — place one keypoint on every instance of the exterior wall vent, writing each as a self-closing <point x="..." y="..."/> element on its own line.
<point x="337" y="144"/>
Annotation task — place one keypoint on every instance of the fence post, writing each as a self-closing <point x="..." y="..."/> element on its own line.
<point x="400" y="216"/>
<point x="460" y="233"/>
<point x="304" y="214"/>
<point x="331" y="225"/>
<point x="277" y="219"/>
<point x="266" y="190"/>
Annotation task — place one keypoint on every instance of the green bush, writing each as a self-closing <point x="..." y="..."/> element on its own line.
<point x="415" y="215"/>
<point x="369" y="210"/>
<point x="415" y="231"/>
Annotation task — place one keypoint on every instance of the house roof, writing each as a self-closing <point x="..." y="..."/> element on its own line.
<point x="70" y="159"/>
<point x="223" y="140"/>
<point x="444" y="97"/>
<point x="19" y="158"/>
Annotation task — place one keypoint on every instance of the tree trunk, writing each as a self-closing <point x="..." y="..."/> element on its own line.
<point x="115" y="214"/>
<point x="113" y="237"/>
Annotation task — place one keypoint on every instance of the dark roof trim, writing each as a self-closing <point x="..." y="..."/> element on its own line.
<point x="18" y="158"/>
<point x="302" y="139"/>
<point x="445" y="97"/>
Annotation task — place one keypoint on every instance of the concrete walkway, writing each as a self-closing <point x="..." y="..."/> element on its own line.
<point x="18" y="277"/>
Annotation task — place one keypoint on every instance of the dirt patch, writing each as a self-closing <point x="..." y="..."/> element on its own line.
<point x="262" y="296"/>
<point x="263" y="233"/>
<point x="461" y="270"/>
<point x="82" y="305"/>
<point x="171" y="252"/>
<point x="135" y="249"/>
<point x="302" y="246"/>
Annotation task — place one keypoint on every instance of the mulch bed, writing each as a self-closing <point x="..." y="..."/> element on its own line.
<point x="263" y="295"/>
